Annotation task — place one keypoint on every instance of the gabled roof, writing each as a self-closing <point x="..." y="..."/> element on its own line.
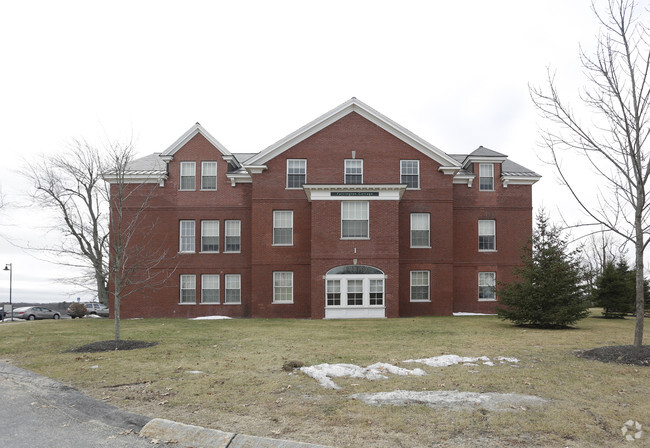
<point x="191" y="132"/>
<point x="482" y="151"/>
<point x="352" y="105"/>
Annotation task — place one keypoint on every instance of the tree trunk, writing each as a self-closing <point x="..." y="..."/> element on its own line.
<point x="640" y="305"/>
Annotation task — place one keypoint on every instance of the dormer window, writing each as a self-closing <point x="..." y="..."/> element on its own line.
<point x="486" y="176"/>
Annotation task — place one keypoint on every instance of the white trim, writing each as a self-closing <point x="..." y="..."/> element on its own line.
<point x="225" y="289"/>
<point x="401" y="173"/>
<point x="286" y="185"/>
<point x="201" y="302"/>
<point x="282" y="302"/>
<point x="218" y="235"/>
<point x="345" y="170"/>
<point x="180" y="175"/>
<point x="180" y="289"/>
<point x="428" y="229"/>
<point x="519" y="180"/>
<point x="386" y="192"/>
<point x="168" y="154"/>
<point x="353" y="105"/>
<point x="479" y="286"/>
<point x="225" y="236"/>
<point x="273" y="243"/>
<point x="180" y="236"/>
<point x="428" y="299"/>
<point x="367" y="220"/>
<point x="494" y="234"/>
<point x="464" y="179"/>
<point x="216" y="175"/>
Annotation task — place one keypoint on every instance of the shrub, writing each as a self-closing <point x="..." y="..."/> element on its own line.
<point x="77" y="310"/>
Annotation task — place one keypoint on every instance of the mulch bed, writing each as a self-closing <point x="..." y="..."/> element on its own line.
<point x="105" y="346"/>
<point x="620" y="354"/>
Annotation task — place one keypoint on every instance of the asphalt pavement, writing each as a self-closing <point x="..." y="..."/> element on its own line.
<point x="38" y="412"/>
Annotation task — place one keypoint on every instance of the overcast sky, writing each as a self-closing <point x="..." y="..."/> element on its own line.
<point x="456" y="73"/>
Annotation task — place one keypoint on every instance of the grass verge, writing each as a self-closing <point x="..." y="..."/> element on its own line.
<point x="243" y="388"/>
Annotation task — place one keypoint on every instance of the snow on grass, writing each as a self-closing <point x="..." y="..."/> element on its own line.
<point x="211" y="318"/>
<point x="323" y="373"/>
<point x="473" y="314"/>
<point x="452" y="399"/>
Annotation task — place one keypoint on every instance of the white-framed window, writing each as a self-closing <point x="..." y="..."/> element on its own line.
<point x="333" y="292"/>
<point x="420" y="230"/>
<point x="209" y="236"/>
<point x="283" y="287"/>
<point x="354" y="219"/>
<point x="208" y="175"/>
<point x="282" y="227"/>
<point x="486" y="176"/>
<point x="410" y="173"/>
<point x="296" y="173"/>
<point x="376" y="291"/>
<point x="420" y="286"/>
<point x="233" y="288"/>
<point x="188" y="176"/>
<point x="188" y="289"/>
<point x="187" y="236"/>
<point x="355" y="293"/>
<point x="487" y="235"/>
<point x="233" y="236"/>
<point x="354" y="171"/>
<point x="486" y="286"/>
<point x="210" y="288"/>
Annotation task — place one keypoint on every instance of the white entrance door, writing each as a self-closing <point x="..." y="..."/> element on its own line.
<point x="354" y="292"/>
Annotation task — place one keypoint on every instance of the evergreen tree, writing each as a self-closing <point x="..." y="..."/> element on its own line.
<point x="615" y="290"/>
<point x="550" y="291"/>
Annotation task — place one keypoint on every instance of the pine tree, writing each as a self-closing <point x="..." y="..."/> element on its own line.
<point x="550" y="291"/>
<point x="615" y="290"/>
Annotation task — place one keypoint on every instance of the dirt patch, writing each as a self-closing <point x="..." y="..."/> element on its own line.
<point x="619" y="354"/>
<point x="105" y="346"/>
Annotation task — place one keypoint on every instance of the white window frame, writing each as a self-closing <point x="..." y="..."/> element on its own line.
<point x="487" y="280"/>
<point x="230" y="281"/>
<point x="228" y="228"/>
<point x="428" y="285"/>
<point x="280" y="290"/>
<point x="193" y="175"/>
<point x="485" y="171"/>
<point x="190" y="285"/>
<point x="290" y="171"/>
<point x="278" y="225"/>
<point x="365" y="209"/>
<point x="482" y="233"/>
<point x="350" y="170"/>
<point x="203" y="235"/>
<point x="206" y="278"/>
<point x="402" y="173"/>
<point x="203" y="176"/>
<point x="185" y="238"/>
<point x="427" y="229"/>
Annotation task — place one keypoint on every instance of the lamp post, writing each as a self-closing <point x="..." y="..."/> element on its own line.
<point x="9" y="267"/>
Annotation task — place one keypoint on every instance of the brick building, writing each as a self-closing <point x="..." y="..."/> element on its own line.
<point x="350" y="216"/>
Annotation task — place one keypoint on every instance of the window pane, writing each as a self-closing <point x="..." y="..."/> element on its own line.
<point x="333" y="292"/>
<point x="188" y="175"/>
<point x="376" y="292"/>
<point x="296" y="173"/>
<point x="486" y="235"/>
<point x="486" y="176"/>
<point x="354" y="219"/>
<point x="187" y="236"/>
<point x="209" y="176"/>
<point x="420" y="230"/>
<point x="210" y="236"/>
<point x="355" y="292"/>
<point x="283" y="227"/>
<point x="188" y="289"/>
<point x="283" y="287"/>
<point x="209" y="288"/>
<point x="233" y="288"/>
<point x="354" y="171"/>
<point x="486" y="284"/>
<point x="410" y="173"/>
<point x="233" y="236"/>
<point x="419" y="286"/>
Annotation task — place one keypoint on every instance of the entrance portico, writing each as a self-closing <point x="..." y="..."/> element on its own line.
<point x="355" y="292"/>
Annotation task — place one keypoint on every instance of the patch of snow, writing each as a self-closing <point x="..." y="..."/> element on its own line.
<point x="503" y="360"/>
<point x="449" y="360"/>
<point x="323" y="373"/>
<point x="211" y="318"/>
<point x="448" y="399"/>
<point x="473" y="314"/>
<point x="194" y="371"/>
<point x="93" y="316"/>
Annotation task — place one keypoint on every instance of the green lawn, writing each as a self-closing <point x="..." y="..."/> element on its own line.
<point x="242" y="387"/>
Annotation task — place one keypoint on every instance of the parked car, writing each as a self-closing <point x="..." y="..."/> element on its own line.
<point x="92" y="308"/>
<point x="35" y="312"/>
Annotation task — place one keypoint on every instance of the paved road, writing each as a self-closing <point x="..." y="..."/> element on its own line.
<point x="36" y="412"/>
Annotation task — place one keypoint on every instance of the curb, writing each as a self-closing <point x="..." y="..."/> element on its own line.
<point x="199" y="437"/>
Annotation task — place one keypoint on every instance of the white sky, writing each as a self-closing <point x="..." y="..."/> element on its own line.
<point x="454" y="73"/>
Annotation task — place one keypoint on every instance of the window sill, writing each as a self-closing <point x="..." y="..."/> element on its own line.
<point x="420" y="247"/>
<point x="186" y="252"/>
<point x="487" y="300"/>
<point x="232" y="252"/>
<point x="420" y="301"/>
<point x="187" y="189"/>
<point x="282" y="245"/>
<point x="209" y="303"/>
<point x="282" y="303"/>
<point x="209" y="252"/>
<point x="208" y="189"/>
<point x="187" y="303"/>
<point x="487" y="250"/>
<point x="232" y="303"/>
<point x="355" y="238"/>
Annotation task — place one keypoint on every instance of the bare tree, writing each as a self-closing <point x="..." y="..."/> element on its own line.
<point x="70" y="184"/>
<point x="611" y="134"/>
<point x="136" y="259"/>
<point x="599" y="249"/>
